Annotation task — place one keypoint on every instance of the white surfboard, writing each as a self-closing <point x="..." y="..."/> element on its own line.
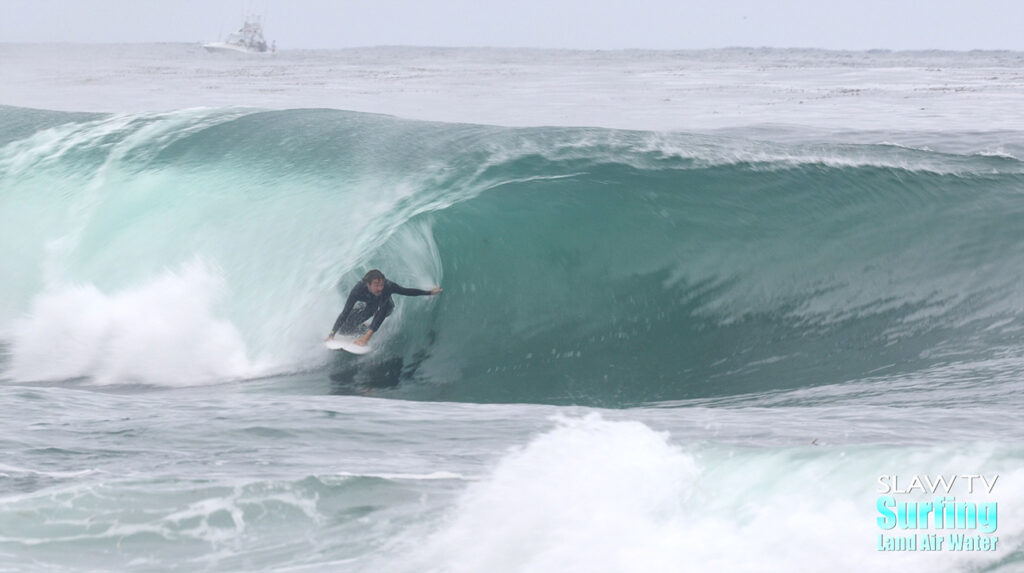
<point x="346" y="343"/>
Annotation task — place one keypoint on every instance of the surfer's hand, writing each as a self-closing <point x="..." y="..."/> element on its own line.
<point x="435" y="290"/>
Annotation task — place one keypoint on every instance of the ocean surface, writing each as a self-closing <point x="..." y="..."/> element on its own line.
<point x="699" y="308"/>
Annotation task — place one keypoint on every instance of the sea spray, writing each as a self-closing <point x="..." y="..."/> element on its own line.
<point x="163" y="332"/>
<point x="617" y="496"/>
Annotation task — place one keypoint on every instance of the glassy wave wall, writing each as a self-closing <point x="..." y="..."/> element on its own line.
<point x="583" y="266"/>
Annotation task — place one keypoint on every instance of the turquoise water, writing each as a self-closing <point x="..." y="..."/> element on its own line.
<point x="655" y="350"/>
<point x="582" y="266"/>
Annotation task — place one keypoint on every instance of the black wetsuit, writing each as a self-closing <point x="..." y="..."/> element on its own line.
<point x="362" y="304"/>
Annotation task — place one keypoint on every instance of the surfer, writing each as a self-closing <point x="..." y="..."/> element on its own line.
<point x="371" y="297"/>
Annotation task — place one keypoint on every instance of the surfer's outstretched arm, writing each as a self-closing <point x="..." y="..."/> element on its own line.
<point x="396" y="289"/>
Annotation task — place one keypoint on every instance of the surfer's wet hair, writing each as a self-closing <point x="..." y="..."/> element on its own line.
<point x="373" y="276"/>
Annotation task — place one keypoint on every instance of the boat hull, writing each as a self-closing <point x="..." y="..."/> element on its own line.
<point x="224" y="47"/>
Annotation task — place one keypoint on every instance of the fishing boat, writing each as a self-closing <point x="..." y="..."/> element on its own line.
<point x="248" y="39"/>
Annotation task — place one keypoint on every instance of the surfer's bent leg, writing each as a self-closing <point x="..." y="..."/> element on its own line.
<point x="354" y="323"/>
<point x="385" y="310"/>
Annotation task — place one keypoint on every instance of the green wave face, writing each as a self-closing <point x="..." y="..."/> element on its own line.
<point x="579" y="265"/>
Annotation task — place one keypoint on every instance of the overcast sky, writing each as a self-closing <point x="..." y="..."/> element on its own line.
<point x="594" y="24"/>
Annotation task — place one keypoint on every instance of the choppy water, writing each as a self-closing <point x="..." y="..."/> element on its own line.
<point x="669" y="338"/>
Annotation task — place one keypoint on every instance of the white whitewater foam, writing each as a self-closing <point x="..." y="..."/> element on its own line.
<point x="600" y="496"/>
<point x="163" y="332"/>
